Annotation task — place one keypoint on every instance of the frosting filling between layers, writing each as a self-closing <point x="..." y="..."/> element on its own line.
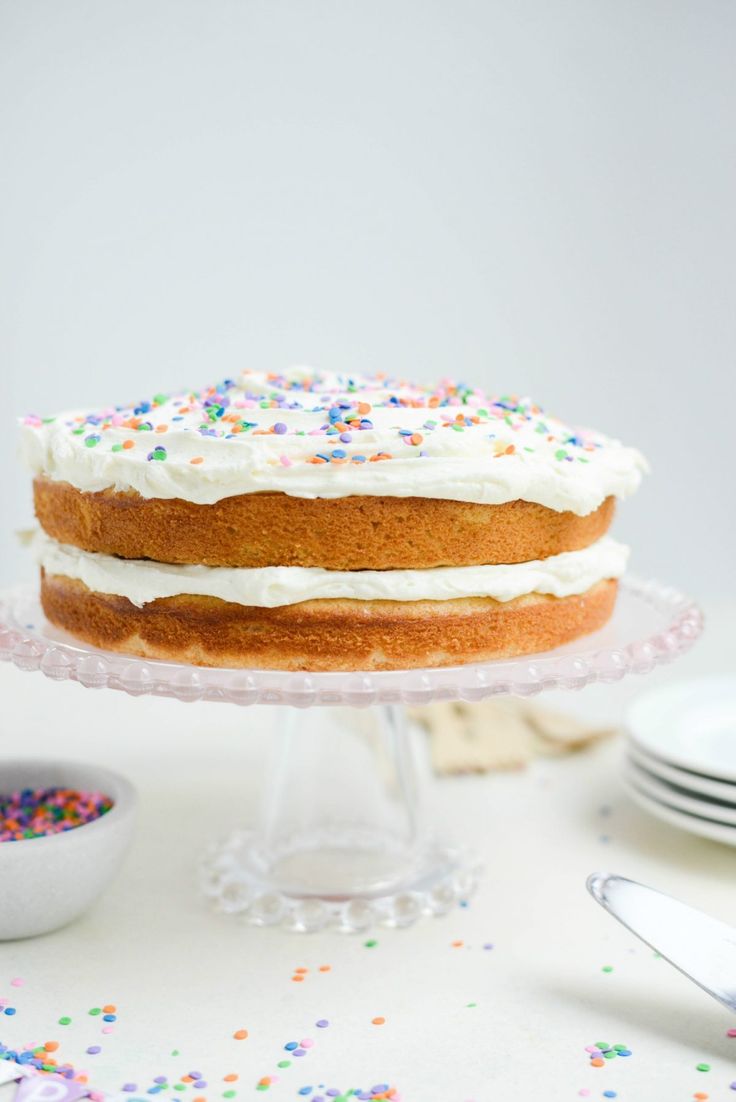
<point x="564" y="575"/>
<point x="325" y="435"/>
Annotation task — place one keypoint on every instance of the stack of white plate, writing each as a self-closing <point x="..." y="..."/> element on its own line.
<point x="681" y="755"/>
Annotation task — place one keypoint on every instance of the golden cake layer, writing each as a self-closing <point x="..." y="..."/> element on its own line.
<point x="347" y="533"/>
<point x="325" y="634"/>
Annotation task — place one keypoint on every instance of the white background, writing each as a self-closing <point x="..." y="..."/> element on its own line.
<point x="535" y="196"/>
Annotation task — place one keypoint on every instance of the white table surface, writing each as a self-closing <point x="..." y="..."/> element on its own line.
<point x="184" y="978"/>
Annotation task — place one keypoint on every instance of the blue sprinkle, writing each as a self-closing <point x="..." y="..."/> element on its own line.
<point x="339" y="453"/>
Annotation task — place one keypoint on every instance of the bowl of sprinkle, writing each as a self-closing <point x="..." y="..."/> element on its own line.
<point x="64" y="830"/>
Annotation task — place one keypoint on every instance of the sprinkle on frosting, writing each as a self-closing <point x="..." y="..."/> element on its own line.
<point x="314" y="434"/>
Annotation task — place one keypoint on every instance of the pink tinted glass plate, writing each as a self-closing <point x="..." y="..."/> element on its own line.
<point x="652" y="624"/>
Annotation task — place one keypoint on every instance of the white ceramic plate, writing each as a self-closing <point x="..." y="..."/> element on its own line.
<point x="696" y="783"/>
<point x="691" y="725"/>
<point x="717" y="832"/>
<point x="676" y="798"/>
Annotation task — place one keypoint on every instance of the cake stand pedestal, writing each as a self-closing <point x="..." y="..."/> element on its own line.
<point x="345" y="835"/>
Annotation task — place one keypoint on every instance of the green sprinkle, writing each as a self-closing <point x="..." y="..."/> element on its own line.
<point x="64" y="1021"/>
<point x="95" y="1010"/>
<point x="371" y="943"/>
<point x="229" y="1094"/>
<point x="702" y="1067"/>
<point x="175" y="1052"/>
<point x="471" y="1004"/>
<point x="116" y="448"/>
<point x="284" y="1064"/>
<point x="180" y="1086"/>
<point x="610" y="1055"/>
<point x="607" y="968"/>
<point x="602" y="1045"/>
<point x="144" y="428"/>
<point x="621" y="1048"/>
<point x="560" y="454"/>
<point x="159" y="399"/>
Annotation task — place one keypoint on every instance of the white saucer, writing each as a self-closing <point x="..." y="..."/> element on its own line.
<point x="696" y="783"/>
<point x="717" y="832"/>
<point x="677" y="799"/>
<point x="691" y="725"/>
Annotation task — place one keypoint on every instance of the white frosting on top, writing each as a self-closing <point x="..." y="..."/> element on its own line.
<point x="311" y="434"/>
<point x="143" y="581"/>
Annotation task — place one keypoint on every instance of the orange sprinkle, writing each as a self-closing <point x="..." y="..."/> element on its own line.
<point x="457" y="944"/>
<point x="159" y="428"/>
<point x="265" y="1081"/>
<point x="187" y="1079"/>
<point x="301" y="971"/>
<point x="240" y="1034"/>
<point x="128" y="444"/>
<point x="297" y="979"/>
<point x="200" y="1098"/>
<point x="597" y="1063"/>
<point x="378" y="1021"/>
<point x="416" y="438"/>
<point x="325" y="967"/>
<point x="51" y="1046"/>
<point x="511" y="449"/>
<point x="231" y="1078"/>
<point x="364" y="407"/>
<point x="701" y="1096"/>
<point x="197" y="459"/>
<point x="109" y="1009"/>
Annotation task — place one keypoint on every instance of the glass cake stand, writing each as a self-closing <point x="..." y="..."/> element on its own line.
<point x="345" y="835"/>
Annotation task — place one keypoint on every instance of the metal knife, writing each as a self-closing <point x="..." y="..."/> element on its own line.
<point x="700" y="947"/>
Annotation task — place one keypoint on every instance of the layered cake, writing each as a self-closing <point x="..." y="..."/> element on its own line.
<point x="313" y="521"/>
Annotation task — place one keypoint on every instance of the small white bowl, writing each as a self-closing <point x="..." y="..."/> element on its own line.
<point x="46" y="882"/>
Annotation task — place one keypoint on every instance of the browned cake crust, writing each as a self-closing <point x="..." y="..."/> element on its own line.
<point x="325" y="634"/>
<point x="349" y="533"/>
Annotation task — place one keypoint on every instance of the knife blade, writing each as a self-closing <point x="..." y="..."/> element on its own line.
<point x="701" y="947"/>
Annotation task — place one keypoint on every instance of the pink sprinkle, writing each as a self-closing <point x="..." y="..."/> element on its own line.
<point x="96" y="1096"/>
<point x="306" y="1043"/>
<point x="592" y="1048"/>
<point x="584" y="1093"/>
<point x="17" y="982"/>
<point x="285" y="461"/>
<point x="731" y="1032"/>
<point x="107" y="1028"/>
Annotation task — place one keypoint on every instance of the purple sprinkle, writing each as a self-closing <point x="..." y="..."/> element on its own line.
<point x="322" y="1023"/>
<point x="488" y="945"/>
<point x="380" y="1088"/>
<point x="299" y="1052"/>
<point x="200" y="1084"/>
<point x="130" y="1087"/>
<point x="280" y="428"/>
<point x="195" y="1074"/>
<point x="345" y="437"/>
<point x="160" y="1079"/>
<point x="93" y="1050"/>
